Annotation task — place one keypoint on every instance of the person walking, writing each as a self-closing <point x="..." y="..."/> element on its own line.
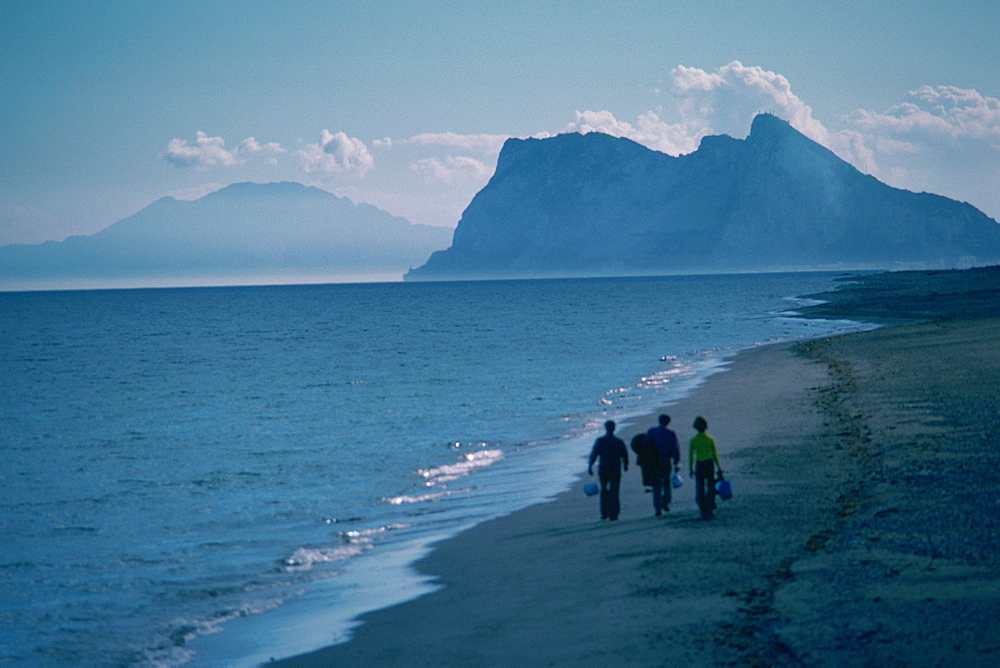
<point x="612" y="455"/>
<point x="666" y="458"/>
<point x="703" y="458"/>
<point x="645" y="457"/>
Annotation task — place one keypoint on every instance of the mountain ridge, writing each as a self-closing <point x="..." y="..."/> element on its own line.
<point x="580" y="205"/>
<point x="272" y="230"/>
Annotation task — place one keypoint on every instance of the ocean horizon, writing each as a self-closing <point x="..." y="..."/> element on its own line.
<point x="218" y="476"/>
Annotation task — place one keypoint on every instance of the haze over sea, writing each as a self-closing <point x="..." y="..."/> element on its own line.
<point x="223" y="475"/>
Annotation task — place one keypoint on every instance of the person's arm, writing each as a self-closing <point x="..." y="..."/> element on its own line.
<point x="624" y="455"/>
<point x="691" y="457"/>
<point x="593" y="458"/>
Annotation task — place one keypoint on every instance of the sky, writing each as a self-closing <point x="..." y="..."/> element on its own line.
<point x="107" y="106"/>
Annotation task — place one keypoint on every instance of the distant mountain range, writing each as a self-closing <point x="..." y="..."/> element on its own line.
<point x="584" y="205"/>
<point x="570" y="205"/>
<point x="247" y="231"/>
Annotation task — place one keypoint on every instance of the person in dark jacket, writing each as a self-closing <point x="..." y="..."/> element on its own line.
<point x="645" y="457"/>
<point x="667" y="458"/>
<point x="610" y="453"/>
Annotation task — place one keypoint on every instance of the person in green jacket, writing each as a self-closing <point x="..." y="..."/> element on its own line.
<point x="703" y="458"/>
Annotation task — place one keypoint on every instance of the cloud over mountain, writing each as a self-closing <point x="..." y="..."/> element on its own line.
<point x="940" y="138"/>
<point x="203" y="153"/>
<point x="592" y="204"/>
<point x="207" y="151"/>
<point x="938" y="111"/>
<point x="649" y="130"/>
<point x="338" y="153"/>
<point x="725" y="101"/>
<point x="936" y="138"/>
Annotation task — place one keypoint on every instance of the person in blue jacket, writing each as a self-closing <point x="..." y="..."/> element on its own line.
<point x="610" y="453"/>
<point x="668" y="459"/>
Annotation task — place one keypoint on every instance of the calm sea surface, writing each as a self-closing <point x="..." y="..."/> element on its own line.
<point x="222" y="475"/>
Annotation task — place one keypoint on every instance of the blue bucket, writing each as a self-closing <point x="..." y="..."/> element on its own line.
<point x="724" y="489"/>
<point x="590" y="489"/>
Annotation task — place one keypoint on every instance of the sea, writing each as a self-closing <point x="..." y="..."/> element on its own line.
<point x="221" y="476"/>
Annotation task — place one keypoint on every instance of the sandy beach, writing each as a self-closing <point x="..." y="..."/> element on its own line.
<point x="863" y="528"/>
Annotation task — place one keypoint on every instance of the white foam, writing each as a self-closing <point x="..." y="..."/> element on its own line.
<point x="421" y="498"/>
<point x="468" y="462"/>
<point x="305" y="558"/>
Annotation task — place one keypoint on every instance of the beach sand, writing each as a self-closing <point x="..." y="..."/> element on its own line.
<point x="863" y="527"/>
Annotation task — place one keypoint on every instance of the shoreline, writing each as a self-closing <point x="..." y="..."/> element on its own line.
<point x="786" y="575"/>
<point x="564" y="546"/>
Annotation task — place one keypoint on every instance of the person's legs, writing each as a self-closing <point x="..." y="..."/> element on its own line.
<point x="657" y="494"/>
<point x="614" y="502"/>
<point x="704" y="486"/>
<point x="605" y="491"/>
<point x="647" y="477"/>
<point x="699" y="487"/>
<point x="711" y="488"/>
<point x="661" y="495"/>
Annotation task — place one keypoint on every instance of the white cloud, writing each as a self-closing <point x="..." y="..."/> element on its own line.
<point x="649" y="131"/>
<point x="270" y="150"/>
<point x="943" y="113"/>
<point x="336" y="153"/>
<point x="483" y="143"/>
<point x="203" y="153"/>
<point x="453" y="170"/>
<point x="208" y="151"/>
<point x="940" y="139"/>
<point x="725" y="101"/>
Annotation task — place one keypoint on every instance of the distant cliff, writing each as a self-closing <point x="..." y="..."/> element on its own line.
<point x="577" y="205"/>
<point x="245" y="232"/>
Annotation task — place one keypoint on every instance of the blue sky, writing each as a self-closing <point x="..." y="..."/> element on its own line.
<point x="108" y="106"/>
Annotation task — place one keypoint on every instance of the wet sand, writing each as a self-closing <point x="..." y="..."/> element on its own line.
<point x="864" y="528"/>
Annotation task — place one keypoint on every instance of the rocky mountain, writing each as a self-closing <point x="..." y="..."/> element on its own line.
<point x="577" y="205"/>
<point x="247" y="231"/>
